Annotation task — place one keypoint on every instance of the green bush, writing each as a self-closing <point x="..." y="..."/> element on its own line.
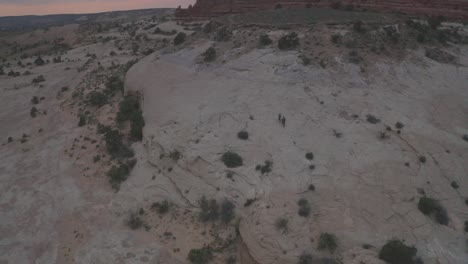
<point x="209" y="210"/>
<point x="200" y="255"/>
<point x="327" y="241"/>
<point x="113" y="85"/>
<point x="209" y="55"/>
<point x="304" y="208"/>
<point x="309" y="156"/>
<point x="38" y="79"/>
<point x="372" y="119"/>
<point x="396" y="252"/>
<point x="231" y="159"/>
<point x="433" y="208"/>
<point x="130" y="110"/>
<point x="82" y="120"/>
<point x="465" y="137"/>
<point x="39" y="61"/>
<point x="265" y="168"/>
<point x="265" y="40"/>
<point x="244" y="135"/>
<point x="227" y="211"/>
<point x="97" y="98"/>
<point x="134" y="221"/>
<point x="35" y="100"/>
<point x="114" y="144"/>
<point x="336" y="38"/>
<point x="162" y="207"/>
<point x="281" y="224"/>
<point x="33" y="112"/>
<point x="222" y="34"/>
<point x="180" y="38"/>
<point x="435" y="21"/>
<point x="118" y="175"/>
<point x="288" y="42"/>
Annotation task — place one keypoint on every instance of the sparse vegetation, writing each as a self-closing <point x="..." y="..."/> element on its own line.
<point x="304" y="208"/>
<point x="244" y="135"/>
<point x="288" y="42"/>
<point x="39" y="61"/>
<point x="38" y="79"/>
<point x="33" y="112"/>
<point x="113" y="85"/>
<point x="328" y="242"/>
<point x="227" y="211"/>
<point x="201" y="255"/>
<point x="309" y="156"/>
<point x="209" y="55"/>
<point x="180" y="38"/>
<point x="465" y="137"/>
<point x="372" y="119"/>
<point x="396" y="252"/>
<point x="35" y="100"/>
<point x="265" y="40"/>
<point x="134" y="221"/>
<point x="130" y="110"/>
<point x="265" y="168"/>
<point x="162" y="207"/>
<point x="118" y="174"/>
<point x="434" y="209"/>
<point x="454" y="185"/>
<point x="114" y="143"/>
<point x="96" y="98"/>
<point x="231" y="159"/>
<point x="209" y="210"/>
<point x="281" y="224"/>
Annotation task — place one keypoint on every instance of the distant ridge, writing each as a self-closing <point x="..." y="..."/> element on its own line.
<point x="33" y="21"/>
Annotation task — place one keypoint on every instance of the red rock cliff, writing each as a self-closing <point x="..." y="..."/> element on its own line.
<point x="457" y="9"/>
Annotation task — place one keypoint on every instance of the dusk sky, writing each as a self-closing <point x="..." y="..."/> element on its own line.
<point x="42" y="7"/>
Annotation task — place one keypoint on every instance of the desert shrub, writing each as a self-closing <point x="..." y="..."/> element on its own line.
<point x="309" y="156"/>
<point x="209" y="210"/>
<point x="281" y="224"/>
<point x="304" y="208"/>
<point x="227" y="211"/>
<point x="134" y="221"/>
<point x="465" y="137"/>
<point x="200" y="255"/>
<point x="118" y="175"/>
<point x="209" y="55"/>
<point x="175" y="155"/>
<point x="39" y="61"/>
<point x="82" y="120"/>
<point x="265" y="168"/>
<point x="435" y="21"/>
<point x="244" y="135"/>
<point x="96" y="98"/>
<point x="130" y="110"/>
<point x="422" y="159"/>
<point x="38" y="79"/>
<point x="162" y="207"/>
<point x="434" y="209"/>
<point x="372" y="119"/>
<point x="222" y="34"/>
<point x="278" y="6"/>
<point x="180" y="38"/>
<point x="305" y="60"/>
<point x="354" y="57"/>
<point x="264" y="40"/>
<point x="114" y="144"/>
<point x="33" y="112"/>
<point x="311" y="187"/>
<point x="113" y="85"/>
<point x="327" y="241"/>
<point x="306" y="259"/>
<point x="335" y="38"/>
<point x="358" y="26"/>
<point x="35" y="100"/>
<point x="396" y="252"/>
<point x="288" y="42"/>
<point x="231" y="159"/>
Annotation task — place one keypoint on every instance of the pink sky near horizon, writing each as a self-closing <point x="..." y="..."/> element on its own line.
<point x="84" y="6"/>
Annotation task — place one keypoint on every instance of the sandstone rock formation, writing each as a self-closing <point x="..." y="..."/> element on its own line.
<point x="457" y="9"/>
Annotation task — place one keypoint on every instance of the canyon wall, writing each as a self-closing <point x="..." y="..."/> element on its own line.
<point x="454" y="9"/>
